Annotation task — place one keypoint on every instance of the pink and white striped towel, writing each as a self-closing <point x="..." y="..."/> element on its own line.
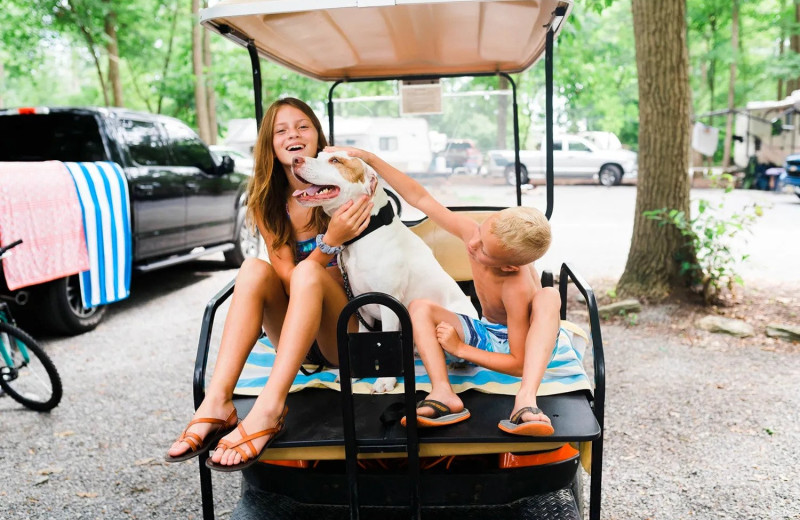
<point x="38" y="204"/>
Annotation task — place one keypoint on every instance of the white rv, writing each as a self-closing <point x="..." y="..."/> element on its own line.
<point x="768" y="131"/>
<point x="403" y="142"/>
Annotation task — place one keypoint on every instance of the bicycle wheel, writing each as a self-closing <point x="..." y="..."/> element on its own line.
<point x="31" y="377"/>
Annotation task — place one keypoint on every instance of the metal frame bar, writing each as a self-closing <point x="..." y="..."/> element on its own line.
<point x="198" y="387"/>
<point x="598" y="404"/>
<point x="348" y="414"/>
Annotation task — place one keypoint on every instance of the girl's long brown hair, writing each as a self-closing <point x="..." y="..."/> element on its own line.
<point x="268" y="189"/>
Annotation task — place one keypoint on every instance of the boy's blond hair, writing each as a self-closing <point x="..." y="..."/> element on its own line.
<point x="523" y="232"/>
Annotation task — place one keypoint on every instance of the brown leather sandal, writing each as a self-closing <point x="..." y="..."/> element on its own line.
<point x="247" y="459"/>
<point x="197" y="445"/>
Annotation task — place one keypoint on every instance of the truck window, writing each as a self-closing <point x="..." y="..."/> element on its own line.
<point x="577" y="146"/>
<point x="144" y="142"/>
<point x="187" y="148"/>
<point x="557" y="146"/>
<point x="47" y="137"/>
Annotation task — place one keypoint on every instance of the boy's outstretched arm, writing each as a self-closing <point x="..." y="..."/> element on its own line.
<point x="414" y="193"/>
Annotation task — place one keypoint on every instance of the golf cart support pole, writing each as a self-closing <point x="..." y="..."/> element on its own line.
<point x="256" y="64"/>
<point x="548" y="114"/>
<point x="515" y="118"/>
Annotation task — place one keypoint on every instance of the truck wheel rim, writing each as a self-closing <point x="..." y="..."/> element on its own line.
<point x="74" y="299"/>
<point x="248" y="242"/>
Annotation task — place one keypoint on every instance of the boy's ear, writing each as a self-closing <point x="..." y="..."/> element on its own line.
<point x="509" y="268"/>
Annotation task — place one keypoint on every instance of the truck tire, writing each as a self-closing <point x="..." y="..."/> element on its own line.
<point x="247" y="243"/>
<point x="610" y="175"/>
<point x="64" y="310"/>
<point x="511" y="175"/>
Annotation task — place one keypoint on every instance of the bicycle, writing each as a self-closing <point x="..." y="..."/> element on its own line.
<point x="27" y="374"/>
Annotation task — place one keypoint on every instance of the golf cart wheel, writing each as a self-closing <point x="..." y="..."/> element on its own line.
<point x="65" y="312"/>
<point x="247" y="243"/>
<point x="511" y="175"/>
<point x="610" y="175"/>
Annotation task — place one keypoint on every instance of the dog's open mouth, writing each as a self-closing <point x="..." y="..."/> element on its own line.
<point x="314" y="192"/>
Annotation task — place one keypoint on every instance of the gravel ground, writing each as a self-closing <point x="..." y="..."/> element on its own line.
<point x="697" y="425"/>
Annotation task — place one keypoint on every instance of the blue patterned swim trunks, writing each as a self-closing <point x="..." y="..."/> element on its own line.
<point x="485" y="335"/>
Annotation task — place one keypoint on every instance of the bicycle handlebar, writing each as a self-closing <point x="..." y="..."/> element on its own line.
<point x="9" y="246"/>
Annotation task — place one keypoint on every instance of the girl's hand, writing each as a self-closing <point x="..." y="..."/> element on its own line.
<point x="349" y="221"/>
<point x="448" y="338"/>
<point x="352" y="152"/>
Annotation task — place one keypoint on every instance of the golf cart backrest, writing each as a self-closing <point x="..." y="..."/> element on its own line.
<point x="448" y="249"/>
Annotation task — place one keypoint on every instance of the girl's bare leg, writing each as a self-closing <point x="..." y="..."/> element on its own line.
<point x="258" y="300"/>
<point x="314" y="307"/>
<point x="425" y="315"/>
<point x="539" y="346"/>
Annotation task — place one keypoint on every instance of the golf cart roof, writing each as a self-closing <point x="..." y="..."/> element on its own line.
<point x="360" y="39"/>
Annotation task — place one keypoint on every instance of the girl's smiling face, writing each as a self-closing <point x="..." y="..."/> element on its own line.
<point x="293" y="134"/>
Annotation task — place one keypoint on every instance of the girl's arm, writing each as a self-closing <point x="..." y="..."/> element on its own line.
<point x="346" y="223"/>
<point x="414" y="193"/>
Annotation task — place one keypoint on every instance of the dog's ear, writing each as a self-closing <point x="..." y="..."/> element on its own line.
<point x="371" y="176"/>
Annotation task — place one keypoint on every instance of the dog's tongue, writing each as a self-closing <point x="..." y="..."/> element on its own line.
<point x="311" y="190"/>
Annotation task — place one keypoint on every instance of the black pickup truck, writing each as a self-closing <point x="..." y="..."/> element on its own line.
<point x="185" y="201"/>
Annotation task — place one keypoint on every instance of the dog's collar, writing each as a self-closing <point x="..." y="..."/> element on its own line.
<point x="383" y="218"/>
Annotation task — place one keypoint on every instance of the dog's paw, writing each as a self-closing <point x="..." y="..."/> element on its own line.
<point x="383" y="385"/>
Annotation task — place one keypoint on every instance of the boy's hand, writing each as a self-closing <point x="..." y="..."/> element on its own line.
<point x="448" y="338"/>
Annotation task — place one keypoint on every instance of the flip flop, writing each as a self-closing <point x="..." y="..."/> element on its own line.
<point x="516" y="426"/>
<point x="198" y="445"/>
<point x="247" y="459"/>
<point x="442" y="415"/>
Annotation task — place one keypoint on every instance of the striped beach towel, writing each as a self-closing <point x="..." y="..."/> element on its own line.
<point x="565" y="372"/>
<point x="103" y="194"/>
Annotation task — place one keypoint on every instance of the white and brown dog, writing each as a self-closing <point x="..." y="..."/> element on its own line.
<point x="387" y="258"/>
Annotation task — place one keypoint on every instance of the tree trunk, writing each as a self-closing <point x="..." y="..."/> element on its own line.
<point x="794" y="44"/>
<point x="2" y="84"/>
<point x="113" y="57"/>
<point x="781" y="39"/>
<point x="200" y="101"/>
<point x="502" y="114"/>
<point x="210" y="97"/>
<point x="168" y="57"/>
<point x="726" y="147"/>
<point x="662" y="60"/>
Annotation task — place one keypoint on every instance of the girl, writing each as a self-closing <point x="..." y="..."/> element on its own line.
<point x="296" y="298"/>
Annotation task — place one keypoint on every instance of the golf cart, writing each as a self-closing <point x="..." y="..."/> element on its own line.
<point x="344" y="453"/>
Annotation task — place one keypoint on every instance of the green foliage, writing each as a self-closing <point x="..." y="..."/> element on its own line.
<point x="712" y="266"/>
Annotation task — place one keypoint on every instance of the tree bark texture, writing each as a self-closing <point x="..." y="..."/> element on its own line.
<point x="662" y="60"/>
<point x="200" y="99"/>
<point x="726" y="147"/>
<point x="113" y="58"/>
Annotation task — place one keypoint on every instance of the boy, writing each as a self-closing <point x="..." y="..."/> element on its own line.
<point x="520" y="322"/>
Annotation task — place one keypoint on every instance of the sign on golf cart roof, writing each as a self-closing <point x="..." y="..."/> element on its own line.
<point x="357" y="39"/>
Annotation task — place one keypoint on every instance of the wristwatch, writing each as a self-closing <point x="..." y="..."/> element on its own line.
<point x="325" y="248"/>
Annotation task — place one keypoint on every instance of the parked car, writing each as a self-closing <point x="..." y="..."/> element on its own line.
<point x="185" y="202"/>
<point x="791" y="173"/>
<point x="573" y="158"/>
<point x="242" y="162"/>
<point x="464" y="155"/>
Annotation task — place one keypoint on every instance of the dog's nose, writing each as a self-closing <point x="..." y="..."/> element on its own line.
<point x="298" y="161"/>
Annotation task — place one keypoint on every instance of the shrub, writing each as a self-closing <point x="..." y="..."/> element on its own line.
<point x="709" y="235"/>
